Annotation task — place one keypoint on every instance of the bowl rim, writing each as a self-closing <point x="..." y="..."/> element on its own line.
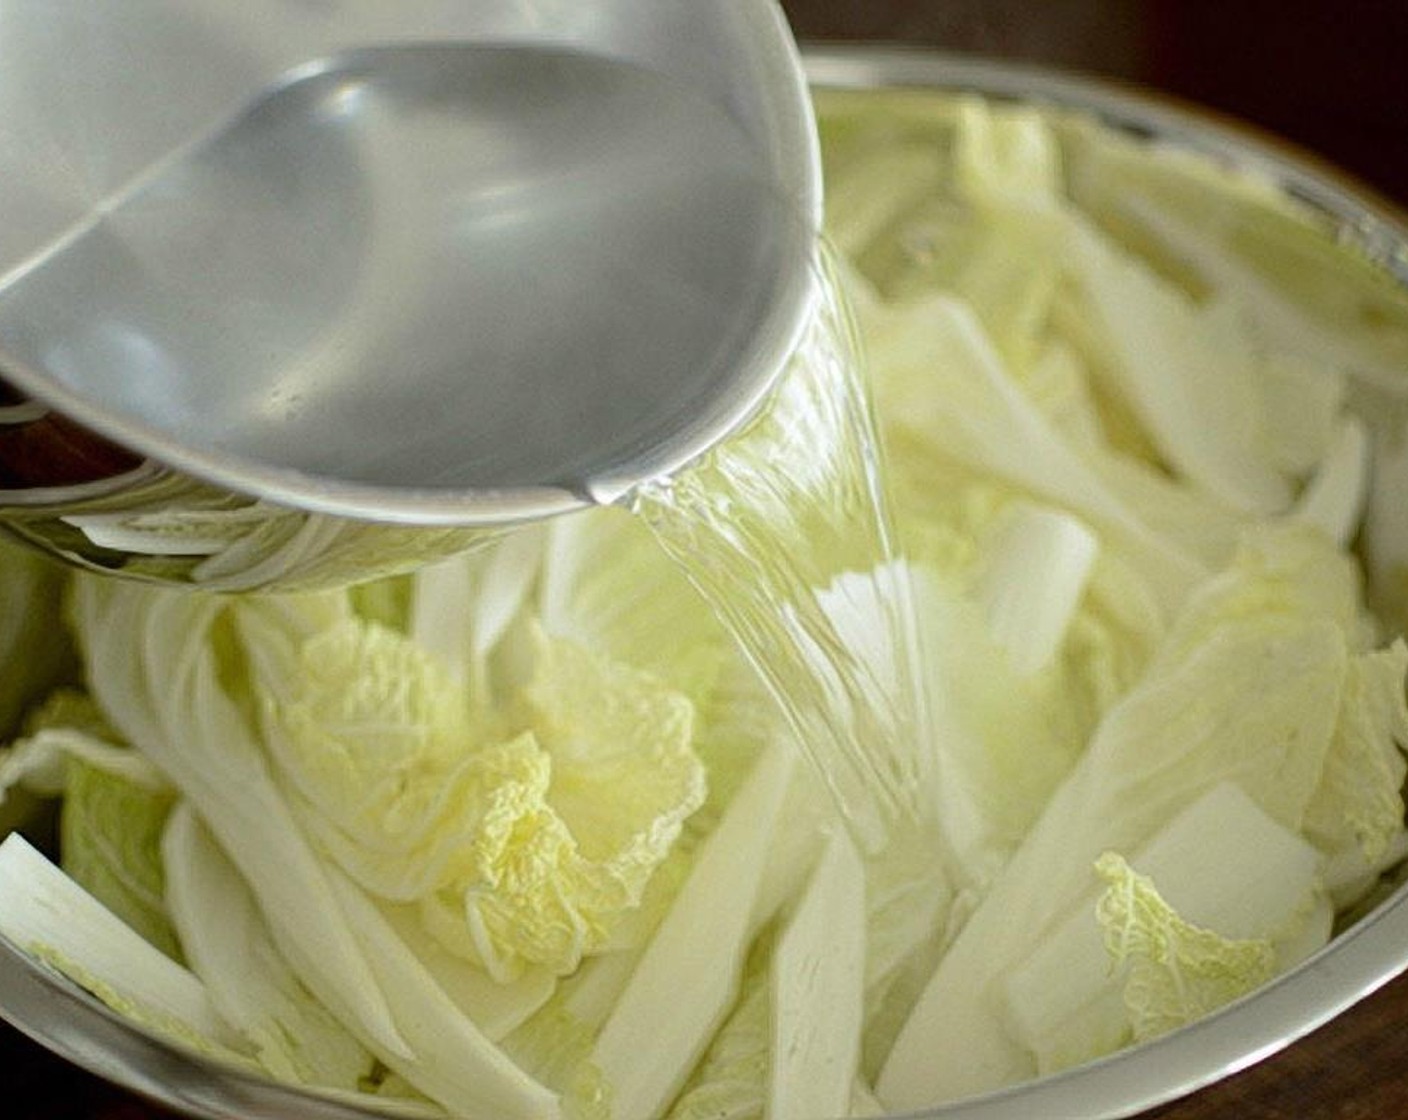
<point x="1370" y="221"/>
<point x="75" y="1025"/>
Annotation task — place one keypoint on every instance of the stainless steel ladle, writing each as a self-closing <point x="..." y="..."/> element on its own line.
<point x="396" y="283"/>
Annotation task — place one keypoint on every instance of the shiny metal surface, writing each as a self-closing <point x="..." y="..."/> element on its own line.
<point x="1355" y="963"/>
<point x="464" y="266"/>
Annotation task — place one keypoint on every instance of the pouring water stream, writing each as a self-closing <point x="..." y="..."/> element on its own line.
<point x="463" y="284"/>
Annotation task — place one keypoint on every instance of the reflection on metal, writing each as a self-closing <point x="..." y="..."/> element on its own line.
<point x="453" y="268"/>
<point x="150" y="524"/>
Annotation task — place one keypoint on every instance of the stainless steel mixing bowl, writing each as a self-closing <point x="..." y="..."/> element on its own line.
<point x="1358" y="961"/>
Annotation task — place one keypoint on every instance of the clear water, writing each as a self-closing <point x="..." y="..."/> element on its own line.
<point x="785" y="529"/>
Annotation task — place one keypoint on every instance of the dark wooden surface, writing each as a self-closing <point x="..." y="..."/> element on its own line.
<point x="1330" y="75"/>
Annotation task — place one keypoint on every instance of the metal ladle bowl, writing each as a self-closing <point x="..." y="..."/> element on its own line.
<point x="303" y="293"/>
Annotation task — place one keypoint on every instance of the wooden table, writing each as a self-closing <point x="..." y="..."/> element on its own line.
<point x="1325" y="74"/>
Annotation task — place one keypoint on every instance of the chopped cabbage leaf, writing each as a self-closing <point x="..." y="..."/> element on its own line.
<point x="1335" y="498"/>
<point x="460" y="609"/>
<point x="688" y="978"/>
<point x="1305" y="406"/>
<point x="496" y="1007"/>
<point x="226" y="943"/>
<point x="152" y="663"/>
<point x="448" y="1058"/>
<point x="110" y="843"/>
<point x="866" y="197"/>
<point x="790" y="1045"/>
<point x="731" y="1081"/>
<point x="944" y="386"/>
<point x="1354" y="324"/>
<point x="1187" y="373"/>
<point x="35" y="649"/>
<point x="1359" y="801"/>
<point x="522" y="851"/>
<point x="1008" y="170"/>
<point x="1185" y="727"/>
<point x="1037" y="570"/>
<point x="817" y="986"/>
<point x="1192" y="520"/>
<point x="171" y="702"/>
<point x="45" y="913"/>
<point x="555" y="1046"/>
<point x="1003" y="739"/>
<point x="1222" y="864"/>
<point x="1005" y="155"/>
<point x="910" y="898"/>
<point x="1385" y="535"/>
<point x="115" y="804"/>
<point x="69" y="728"/>
<point x="1284" y="571"/>
<point x="1178" y="972"/>
<point x="608" y="586"/>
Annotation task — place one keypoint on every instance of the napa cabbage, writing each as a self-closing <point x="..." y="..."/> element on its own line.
<point x="34" y="648"/>
<point x="35" y="655"/>
<point x="227" y="945"/>
<point x="228" y="748"/>
<point x="115" y="805"/>
<point x="1215" y="903"/>
<point x="520" y="834"/>
<point x="51" y="917"/>
<point x="523" y="841"/>
<point x="1178" y="972"/>
<point x="1272" y="627"/>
